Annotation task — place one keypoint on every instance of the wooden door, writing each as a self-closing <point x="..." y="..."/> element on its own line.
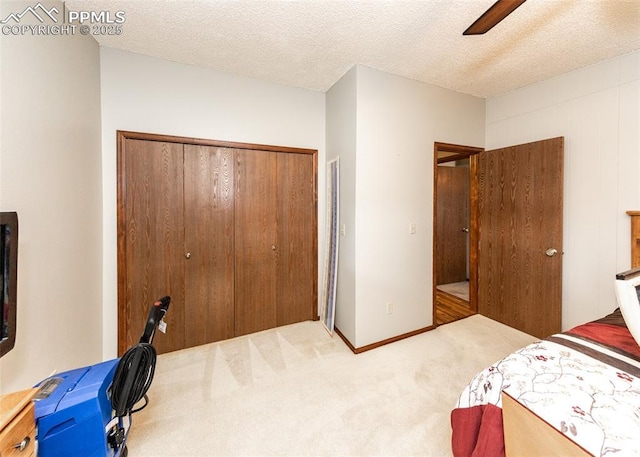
<point x="296" y="247"/>
<point x="256" y="241"/>
<point x="453" y="224"/>
<point x="520" y="211"/>
<point x="209" y="244"/>
<point x="151" y="238"/>
<point x="228" y="230"/>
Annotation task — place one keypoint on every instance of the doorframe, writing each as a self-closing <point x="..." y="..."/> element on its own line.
<point x="458" y="152"/>
<point x="121" y="137"/>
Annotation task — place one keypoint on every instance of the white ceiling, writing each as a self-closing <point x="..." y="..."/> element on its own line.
<point x="312" y="43"/>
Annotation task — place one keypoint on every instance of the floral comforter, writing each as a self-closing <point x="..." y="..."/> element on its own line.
<point x="584" y="382"/>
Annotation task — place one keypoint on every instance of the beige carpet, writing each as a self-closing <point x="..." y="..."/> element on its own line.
<point x="297" y="391"/>
<point x="459" y="289"/>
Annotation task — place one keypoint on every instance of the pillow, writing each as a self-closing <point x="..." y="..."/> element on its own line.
<point x="627" y="296"/>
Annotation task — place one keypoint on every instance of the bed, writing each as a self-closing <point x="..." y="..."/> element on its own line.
<point x="574" y="393"/>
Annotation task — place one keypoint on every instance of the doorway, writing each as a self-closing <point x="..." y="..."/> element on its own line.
<point x="455" y="241"/>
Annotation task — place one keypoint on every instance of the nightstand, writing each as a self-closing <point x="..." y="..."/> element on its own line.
<point x="17" y="424"/>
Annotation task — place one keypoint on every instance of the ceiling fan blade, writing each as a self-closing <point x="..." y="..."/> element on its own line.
<point x="491" y="17"/>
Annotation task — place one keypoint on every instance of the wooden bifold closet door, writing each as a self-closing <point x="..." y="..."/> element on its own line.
<point x="256" y="233"/>
<point x="208" y="244"/>
<point x="228" y="231"/>
<point x="151" y="224"/>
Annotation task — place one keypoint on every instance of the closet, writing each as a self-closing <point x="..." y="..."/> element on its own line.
<point x="228" y="230"/>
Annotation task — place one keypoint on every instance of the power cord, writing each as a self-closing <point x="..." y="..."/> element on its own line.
<point x="132" y="379"/>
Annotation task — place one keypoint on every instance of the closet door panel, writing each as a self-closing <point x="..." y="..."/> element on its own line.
<point x="297" y="239"/>
<point x="209" y="244"/>
<point x="153" y="237"/>
<point x="256" y="241"/>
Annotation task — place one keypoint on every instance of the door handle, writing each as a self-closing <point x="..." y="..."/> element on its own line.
<point x="465" y="230"/>
<point x="187" y="255"/>
<point x="551" y="252"/>
<point x="273" y="247"/>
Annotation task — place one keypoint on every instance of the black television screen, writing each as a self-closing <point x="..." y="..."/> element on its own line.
<point x="8" y="279"/>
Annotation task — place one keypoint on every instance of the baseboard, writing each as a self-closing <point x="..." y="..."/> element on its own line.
<point x="368" y="347"/>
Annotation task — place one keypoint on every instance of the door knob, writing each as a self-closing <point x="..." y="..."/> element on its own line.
<point x="273" y="247"/>
<point x="187" y="255"/>
<point x="551" y="252"/>
<point x="465" y="230"/>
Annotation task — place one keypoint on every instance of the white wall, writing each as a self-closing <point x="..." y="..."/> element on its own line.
<point x="398" y="121"/>
<point x="597" y="110"/>
<point x="50" y="174"/>
<point x="145" y="94"/>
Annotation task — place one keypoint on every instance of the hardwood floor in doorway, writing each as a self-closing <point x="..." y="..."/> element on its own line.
<point x="450" y="308"/>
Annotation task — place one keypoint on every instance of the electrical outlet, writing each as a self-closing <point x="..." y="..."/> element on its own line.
<point x="389" y="308"/>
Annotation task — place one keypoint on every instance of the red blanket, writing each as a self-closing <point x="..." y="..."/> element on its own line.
<point x="477" y="431"/>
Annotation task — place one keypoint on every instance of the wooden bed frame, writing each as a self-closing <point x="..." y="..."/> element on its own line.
<point x="525" y="433"/>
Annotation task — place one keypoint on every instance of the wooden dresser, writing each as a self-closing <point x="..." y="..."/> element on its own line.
<point x="17" y="424"/>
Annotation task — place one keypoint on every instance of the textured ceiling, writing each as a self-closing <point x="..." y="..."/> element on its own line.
<point x="312" y="43"/>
